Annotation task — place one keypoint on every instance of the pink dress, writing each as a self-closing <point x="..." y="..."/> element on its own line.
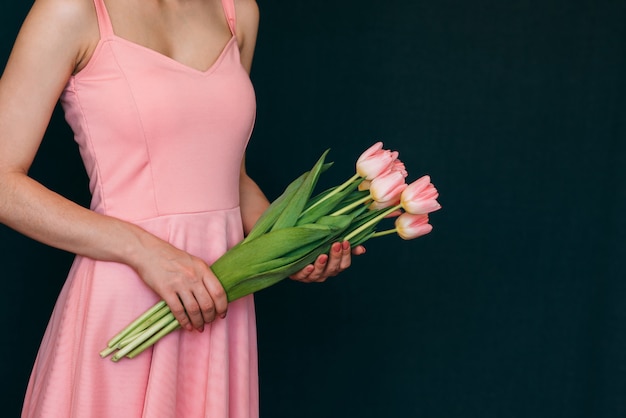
<point x="162" y="144"/>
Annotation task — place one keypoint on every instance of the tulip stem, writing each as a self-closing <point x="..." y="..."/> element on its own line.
<point x="373" y="221"/>
<point x="345" y="184"/>
<point x="144" y="336"/>
<point x="172" y="326"/>
<point x="337" y="189"/>
<point x="383" y="233"/>
<point x="143" y="326"/>
<point x="136" y="323"/>
<point x="351" y="206"/>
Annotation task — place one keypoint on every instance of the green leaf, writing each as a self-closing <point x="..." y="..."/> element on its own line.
<point x="271" y="277"/>
<point x="290" y="214"/>
<point x="241" y="260"/>
<point x="365" y="217"/>
<point x="361" y="222"/>
<point x="251" y="278"/>
<point x="271" y="214"/>
<point x="339" y="222"/>
<point x="313" y="200"/>
<point x="356" y="195"/>
<point x="325" y="207"/>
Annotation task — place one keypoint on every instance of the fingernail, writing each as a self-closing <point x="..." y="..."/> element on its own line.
<point x="201" y="329"/>
<point x="310" y="269"/>
<point x="336" y="247"/>
<point x="223" y="315"/>
<point x="346" y="245"/>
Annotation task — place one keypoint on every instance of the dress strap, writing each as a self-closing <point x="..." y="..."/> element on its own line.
<point x="104" y="21"/>
<point x="229" y="11"/>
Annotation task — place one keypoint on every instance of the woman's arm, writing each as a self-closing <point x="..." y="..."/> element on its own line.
<point x="252" y="200"/>
<point x="56" y="40"/>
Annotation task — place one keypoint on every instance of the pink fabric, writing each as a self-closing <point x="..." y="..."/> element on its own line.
<point x="162" y="144"/>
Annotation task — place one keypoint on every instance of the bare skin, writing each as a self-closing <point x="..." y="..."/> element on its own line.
<point x="56" y="41"/>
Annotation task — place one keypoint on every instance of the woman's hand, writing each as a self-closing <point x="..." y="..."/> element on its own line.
<point x="329" y="265"/>
<point x="186" y="283"/>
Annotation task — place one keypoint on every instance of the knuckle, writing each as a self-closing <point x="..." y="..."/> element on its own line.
<point x="178" y="311"/>
<point x="208" y="307"/>
<point x="182" y="320"/>
<point x="219" y="293"/>
<point x="193" y="310"/>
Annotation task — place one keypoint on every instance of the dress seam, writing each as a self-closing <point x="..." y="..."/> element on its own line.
<point x="143" y="130"/>
<point x="180" y="214"/>
<point x="97" y="187"/>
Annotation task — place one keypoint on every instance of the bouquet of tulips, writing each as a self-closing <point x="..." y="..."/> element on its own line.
<point x="298" y="227"/>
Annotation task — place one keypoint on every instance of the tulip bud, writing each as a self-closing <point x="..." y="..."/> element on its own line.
<point x="411" y="226"/>
<point x="387" y="187"/>
<point x="375" y="161"/>
<point x="420" y="197"/>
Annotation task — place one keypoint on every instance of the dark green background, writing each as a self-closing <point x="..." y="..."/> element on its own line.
<point x="515" y="305"/>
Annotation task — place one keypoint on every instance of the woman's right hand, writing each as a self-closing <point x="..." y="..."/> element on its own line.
<point x="185" y="282"/>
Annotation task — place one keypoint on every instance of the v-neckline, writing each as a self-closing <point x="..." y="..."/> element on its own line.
<point x="167" y="58"/>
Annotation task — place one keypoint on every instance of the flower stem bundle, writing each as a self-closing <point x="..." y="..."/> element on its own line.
<point x="297" y="228"/>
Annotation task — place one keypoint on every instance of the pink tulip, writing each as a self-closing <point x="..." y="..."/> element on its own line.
<point x="375" y="161"/>
<point x="388" y="187"/>
<point x="420" y="197"/>
<point x="411" y="226"/>
<point x="398" y="165"/>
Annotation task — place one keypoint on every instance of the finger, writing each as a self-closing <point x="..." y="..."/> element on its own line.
<point x="334" y="259"/>
<point x="192" y="309"/>
<point x="206" y="305"/>
<point x="346" y="256"/>
<point x="178" y="310"/>
<point x="218" y="295"/>
<point x="358" y="250"/>
<point x="319" y="273"/>
<point x="303" y="274"/>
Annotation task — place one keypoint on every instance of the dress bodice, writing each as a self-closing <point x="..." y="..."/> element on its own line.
<point x="152" y="129"/>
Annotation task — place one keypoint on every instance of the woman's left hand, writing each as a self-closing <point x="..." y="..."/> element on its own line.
<point x="327" y="265"/>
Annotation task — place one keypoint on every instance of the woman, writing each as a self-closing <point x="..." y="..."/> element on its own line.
<point x="159" y="98"/>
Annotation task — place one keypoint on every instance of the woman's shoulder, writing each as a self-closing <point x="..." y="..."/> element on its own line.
<point x="74" y="22"/>
<point x="68" y="12"/>
<point x="76" y="18"/>
<point x="247" y="12"/>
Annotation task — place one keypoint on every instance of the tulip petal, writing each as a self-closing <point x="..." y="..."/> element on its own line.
<point x="410" y="226"/>
<point x="420" y="197"/>
<point x="370" y="151"/>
